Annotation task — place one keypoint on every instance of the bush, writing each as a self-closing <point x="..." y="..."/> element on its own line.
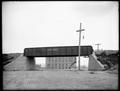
<point x="108" y="59"/>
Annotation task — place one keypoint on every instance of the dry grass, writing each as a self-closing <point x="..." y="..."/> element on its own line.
<point x="59" y="79"/>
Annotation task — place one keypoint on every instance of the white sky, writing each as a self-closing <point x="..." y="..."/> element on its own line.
<point x="54" y="23"/>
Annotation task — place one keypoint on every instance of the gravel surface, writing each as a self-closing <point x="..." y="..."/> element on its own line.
<point x="59" y="79"/>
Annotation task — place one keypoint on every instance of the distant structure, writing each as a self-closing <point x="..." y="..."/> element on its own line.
<point x="98" y="46"/>
<point x="60" y="62"/>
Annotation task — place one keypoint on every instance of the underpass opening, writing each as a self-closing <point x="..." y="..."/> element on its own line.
<point x="40" y="63"/>
<point x="84" y="62"/>
<point x="61" y="63"/>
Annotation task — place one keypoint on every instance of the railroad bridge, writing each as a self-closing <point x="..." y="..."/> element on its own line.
<point x="62" y="57"/>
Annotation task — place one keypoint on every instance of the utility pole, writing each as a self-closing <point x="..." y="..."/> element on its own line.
<point x="79" y="44"/>
<point x="98" y="46"/>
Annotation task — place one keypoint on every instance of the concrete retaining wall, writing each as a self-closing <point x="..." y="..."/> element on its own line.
<point x="94" y="64"/>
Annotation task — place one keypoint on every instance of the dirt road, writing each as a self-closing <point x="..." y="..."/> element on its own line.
<point x="59" y="80"/>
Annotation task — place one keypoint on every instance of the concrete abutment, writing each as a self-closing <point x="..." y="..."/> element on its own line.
<point x="30" y="63"/>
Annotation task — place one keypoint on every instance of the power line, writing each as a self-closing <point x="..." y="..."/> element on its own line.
<point x="80" y="30"/>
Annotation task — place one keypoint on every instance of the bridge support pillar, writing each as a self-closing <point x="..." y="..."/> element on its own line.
<point x="30" y="63"/>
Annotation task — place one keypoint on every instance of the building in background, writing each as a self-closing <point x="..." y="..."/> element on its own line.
<point x="60" y="62"/>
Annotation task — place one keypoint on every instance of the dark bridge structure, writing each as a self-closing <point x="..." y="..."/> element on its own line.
<point x="62" y="51"/>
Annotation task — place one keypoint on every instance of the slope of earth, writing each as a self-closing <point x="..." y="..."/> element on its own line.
<point x="19" y="64"/>
<point x="8" y="58"/>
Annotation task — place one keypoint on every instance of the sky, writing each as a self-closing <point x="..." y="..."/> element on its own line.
<point x="54" y="23"/>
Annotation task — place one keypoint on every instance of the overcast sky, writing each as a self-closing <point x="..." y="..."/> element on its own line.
<point x="54" y="23"/>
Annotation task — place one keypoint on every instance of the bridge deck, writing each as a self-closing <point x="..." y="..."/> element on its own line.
<point x="57" y="51"/>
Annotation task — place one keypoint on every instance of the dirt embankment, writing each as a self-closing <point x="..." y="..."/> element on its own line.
<point x="7" y="58"/>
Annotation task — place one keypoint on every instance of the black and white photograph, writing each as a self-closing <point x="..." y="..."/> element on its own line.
<point x="60" y="45"/>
